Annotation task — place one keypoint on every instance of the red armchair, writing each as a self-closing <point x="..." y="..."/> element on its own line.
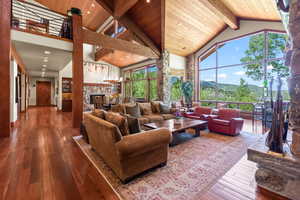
<point x="200" y="113"/>
<point x="227" y="122"/>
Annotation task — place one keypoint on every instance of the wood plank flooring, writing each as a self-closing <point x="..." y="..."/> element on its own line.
<point x="41" y="161"/>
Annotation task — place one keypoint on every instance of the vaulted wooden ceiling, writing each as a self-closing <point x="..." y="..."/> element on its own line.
<point x="180" y="26"/>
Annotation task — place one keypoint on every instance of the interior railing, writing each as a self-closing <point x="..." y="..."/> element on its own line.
<point x="37" y="19"/>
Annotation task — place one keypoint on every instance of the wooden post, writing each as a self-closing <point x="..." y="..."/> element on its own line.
<point x="77" y="70"/>
<point x="5" y="25"/>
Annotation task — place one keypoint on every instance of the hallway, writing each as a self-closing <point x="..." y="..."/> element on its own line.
<point x="40" y="160"/>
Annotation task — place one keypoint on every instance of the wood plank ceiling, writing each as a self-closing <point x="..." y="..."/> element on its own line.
<point x="190" y="24"/>
<point x="93" y="14"/>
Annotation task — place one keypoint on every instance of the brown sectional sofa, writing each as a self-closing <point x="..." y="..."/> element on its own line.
<point x="147" y="117"/>
<point x="127" y="155"/>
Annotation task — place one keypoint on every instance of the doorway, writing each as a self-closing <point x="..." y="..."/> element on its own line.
<point x="43" y="93"/>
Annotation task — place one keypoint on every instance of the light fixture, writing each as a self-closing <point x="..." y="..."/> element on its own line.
<point x="47" y="52"/>
<point x="93" y="5"/>
<point x="148" y="1"/>
<point x="44" y="65"/>
<point x="88" y="12"/>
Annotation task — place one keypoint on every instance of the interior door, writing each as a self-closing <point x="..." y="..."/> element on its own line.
<point x="43" y="93"/>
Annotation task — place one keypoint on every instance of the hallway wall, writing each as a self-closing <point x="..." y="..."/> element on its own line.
<point x="13" y="104"/>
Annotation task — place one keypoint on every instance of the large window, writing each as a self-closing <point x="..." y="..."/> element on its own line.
<point x="141" y="83"/>
<point x="237" y="70"/>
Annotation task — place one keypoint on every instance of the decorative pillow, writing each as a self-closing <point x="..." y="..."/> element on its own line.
<point x="118" y="108"/>
<point x="155" y="106"/>
<point x="99" y="113"/>
<point x="118" y="120"/>
<point x="146" y="108"/>
<point x="164" y="109"/>
<point x="133" y="125"/>
<point x="133" y="110"/>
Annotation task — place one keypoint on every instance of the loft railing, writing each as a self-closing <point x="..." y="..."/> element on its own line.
<point x="36" y="19"/>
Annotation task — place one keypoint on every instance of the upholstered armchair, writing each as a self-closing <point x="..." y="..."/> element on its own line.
<point x="228" y="122"/>
<point x="200" y="112"/>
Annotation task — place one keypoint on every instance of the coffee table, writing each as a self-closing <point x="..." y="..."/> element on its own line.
<point x="178" y="130"/>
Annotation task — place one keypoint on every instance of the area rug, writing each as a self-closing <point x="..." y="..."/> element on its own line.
<point x="192" y="168"/>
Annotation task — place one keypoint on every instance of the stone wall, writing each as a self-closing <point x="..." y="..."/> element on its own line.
<point x="294" y="81"/>
<point x="164" y="87"/>
<point x="190" y="73"/>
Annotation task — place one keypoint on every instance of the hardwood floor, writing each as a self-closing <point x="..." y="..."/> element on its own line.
<point x="239" y="184"/>
<point x="41" y="161"/>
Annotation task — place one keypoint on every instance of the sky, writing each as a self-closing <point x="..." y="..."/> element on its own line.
<point x="230" y="54"/>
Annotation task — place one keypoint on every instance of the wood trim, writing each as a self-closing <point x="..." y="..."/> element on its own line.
<point x="163" y="24"/>
<point x="107" y="42"/>
<point x="5" y="57"/>
<point x="122" y="6"/>
<point x="42" y="34"/>
<point x="14" y="124"/>
<point x="98" y="84"/>
<point x="77" y="71"/>
<point x="220" y="9"/>
<point x="101" y="53"/>
<point x="18" y="59"/>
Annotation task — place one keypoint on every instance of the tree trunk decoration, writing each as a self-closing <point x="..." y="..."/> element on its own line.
<point x="274" y="140"/>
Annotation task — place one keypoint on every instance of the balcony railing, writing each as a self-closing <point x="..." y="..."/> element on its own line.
<point x="40" y="20"/>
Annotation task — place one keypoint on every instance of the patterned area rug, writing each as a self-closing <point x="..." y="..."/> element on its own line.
<point x="192" y="168"/>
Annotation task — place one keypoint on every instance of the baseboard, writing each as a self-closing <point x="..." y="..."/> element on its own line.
<point x="14" y="124"/>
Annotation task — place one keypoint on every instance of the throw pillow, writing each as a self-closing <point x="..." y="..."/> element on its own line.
<point x="119" y="108"/>
<point x="99" y="113"/>
<point x="119" y="121"/>
<point x="133" y="110"/>
<point x="165" y="109"/>
<point x="133" y="125"/>
<point x="155" y="106"/>
<point x="146" y="108"/>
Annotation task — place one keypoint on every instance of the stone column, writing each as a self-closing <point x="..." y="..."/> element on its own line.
<point x="190" y="73"/>
<point x="164" y="87"/>
<point x="294" y="81"/>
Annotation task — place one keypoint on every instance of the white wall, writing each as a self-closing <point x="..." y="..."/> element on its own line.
<point x="246" y="27"/>
<point x="177" y="62"/>
<point x="89" y="76"/>
<point x="13" y="104"/>
<point x="32" y="89"/>
<point x="23" y="89"/>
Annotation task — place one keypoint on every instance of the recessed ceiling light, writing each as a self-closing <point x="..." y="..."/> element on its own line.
<point x="47" y="52"/>
<point x="148" y="1"/>
<point x="45" y="60"/>
<point x="88" y="12"/>
<point x="93" y="5"/>
<point x="44" y="65"/>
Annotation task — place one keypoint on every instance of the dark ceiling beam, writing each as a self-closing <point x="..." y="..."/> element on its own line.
<point x="122" y="6"/>
<point x="107" y="42"/>
<point x="220" y="9"/>
<point x="130" y="25"/>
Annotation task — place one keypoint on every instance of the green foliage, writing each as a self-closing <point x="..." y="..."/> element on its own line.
<point x="187" y="90"/>
<point x="255" y="53"/>
<point x="176" y="92"/>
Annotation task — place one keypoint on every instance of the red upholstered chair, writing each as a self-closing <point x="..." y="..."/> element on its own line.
<point x="200" y="113"/>
<point x="227" y="122"/>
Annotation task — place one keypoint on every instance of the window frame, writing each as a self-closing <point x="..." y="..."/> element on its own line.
<point x="214" y="48"/>
<point x="147" y="78"/>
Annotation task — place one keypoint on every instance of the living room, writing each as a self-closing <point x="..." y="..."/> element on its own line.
<point x="149" y="99"/>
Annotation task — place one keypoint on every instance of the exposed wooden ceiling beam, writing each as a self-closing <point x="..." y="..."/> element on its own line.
<point x="107" y="42"/>
<point x="101" y="53"/>
<point x="130" y="25"/>
<point x="223" y="12"/>
<point x="122" y="6"/>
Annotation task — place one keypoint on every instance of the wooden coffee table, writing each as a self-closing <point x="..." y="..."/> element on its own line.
<point x="178" y="130"/>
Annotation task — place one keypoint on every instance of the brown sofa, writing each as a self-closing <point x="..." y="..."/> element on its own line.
<point x="154" y="116"/>
<point x="127" y="155"/>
